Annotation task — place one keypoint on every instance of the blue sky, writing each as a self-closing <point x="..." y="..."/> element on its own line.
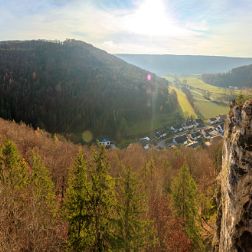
<point x="206" y="27"/>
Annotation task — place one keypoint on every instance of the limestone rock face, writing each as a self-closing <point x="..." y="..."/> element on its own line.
<point x="234" y="224"/>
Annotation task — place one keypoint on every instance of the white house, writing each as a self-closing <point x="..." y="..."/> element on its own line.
<point x="213" y="120"/>
<point x="106" y="142"/>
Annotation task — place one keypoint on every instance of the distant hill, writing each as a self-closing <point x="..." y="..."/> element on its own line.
<point x="184" y="64"/>
<point x="237" y="77"/>
<point x="69" y="87"/>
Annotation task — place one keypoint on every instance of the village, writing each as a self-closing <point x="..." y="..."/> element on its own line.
<point x="191" y="133"/>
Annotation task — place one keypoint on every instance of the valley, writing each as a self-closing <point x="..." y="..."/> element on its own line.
<point x="88" y="90"/>
<point x="125" y="126"/>
<point x="186" y="106"/>
<point x="206" y="100"/>
<point x="150" y="131"/>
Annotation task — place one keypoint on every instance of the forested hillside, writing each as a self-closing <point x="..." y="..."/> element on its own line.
<point x="184" y="64"/>
<point x="57" y="196"/>
<point x="71" y="87"/>
<point x="239" y="77"/>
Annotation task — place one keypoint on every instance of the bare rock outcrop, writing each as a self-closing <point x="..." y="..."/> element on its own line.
<point x="234" y="224"/>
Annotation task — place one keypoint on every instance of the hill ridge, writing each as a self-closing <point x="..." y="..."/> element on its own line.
<point x="69" y="87"/>
<point x="164" y="64"/>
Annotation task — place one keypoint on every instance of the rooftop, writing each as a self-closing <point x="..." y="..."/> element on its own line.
<point x="180" y="139"/>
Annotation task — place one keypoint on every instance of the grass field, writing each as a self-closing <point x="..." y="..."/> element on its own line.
<point x="200" y="84"/>
<point x="208" y="108"/>
<point x="209" y="101"/>
<point x="170" y="78"/>
<point x="157" y="122"/>
<point x="185" y="105"/>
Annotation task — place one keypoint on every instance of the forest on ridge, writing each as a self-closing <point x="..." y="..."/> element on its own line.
<point x="59" y="196"/>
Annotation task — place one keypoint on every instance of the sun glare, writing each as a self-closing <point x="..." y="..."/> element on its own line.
<point x="150" y="18"/>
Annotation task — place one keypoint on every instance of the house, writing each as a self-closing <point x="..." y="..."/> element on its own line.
<point x="180" y="139"/>
<point x="158" y="133"/>
<point x="206" y="132"/>
<point x="173" y="129"/>
<point x="163" y="136"/>
<point x="105" y="141"/>
<point x="188" y="127"/>
<point x="213" y="120"/>
<point x="222" y="118"/>
<point x="193" y="144"/>
<point x="147" y="139"/>
<point x="189" y="124"/>
<point x="195" y="135"/>
<point x="233" y="87"/>
<point x="214" y="133"/>
<point x="199" y="122"/>
<point x="144" y="141"/>
<point x="220" y="129"/>
<point x="146" y="147"/>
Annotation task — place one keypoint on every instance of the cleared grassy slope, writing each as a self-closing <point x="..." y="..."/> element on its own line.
<point x="184" y="103"/>
<point x="200" y="84"/>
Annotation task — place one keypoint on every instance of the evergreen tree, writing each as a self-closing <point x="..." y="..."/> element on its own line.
<point x="91" y="205"/>
<point x="103" y="202"/>
<point x="13" y="169"/>
<point x="13" y="193"/>
<point x="184" y="197"/>
<point x="42" y="208"/>
<point x="27" y="201"/>
<point x="77" y="207"/>
<point x="42" y="184"/>
<point x="136" y="230"/>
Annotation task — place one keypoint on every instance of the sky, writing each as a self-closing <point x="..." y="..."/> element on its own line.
<point x="192" y="27"/>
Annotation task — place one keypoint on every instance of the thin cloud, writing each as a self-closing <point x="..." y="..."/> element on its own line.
<point x="135" y="26"/>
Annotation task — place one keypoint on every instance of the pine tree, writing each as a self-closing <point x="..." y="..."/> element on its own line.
<point x="42" y="184"/>
<point x="43" y="221"/>
<point x="77" y="207"/>
<point x="27" y="201"/>
<point x="136" y="230"/>
<point x="13" y="169"/>
<point x="184" y="197"/>
<point x="13" y="193"/>
<point x="103" y="202"/>
<point x="91" y="205"/>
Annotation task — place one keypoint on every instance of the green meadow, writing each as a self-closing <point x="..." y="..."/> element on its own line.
<point x="208" y="100"/>
<point x="184" y="103"/>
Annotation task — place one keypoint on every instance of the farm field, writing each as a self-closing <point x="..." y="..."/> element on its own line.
<point x="209" y="101"/>
<point x="208" y="108"/>
<point x="185" y="105"/>
<point x="197" y="83"/>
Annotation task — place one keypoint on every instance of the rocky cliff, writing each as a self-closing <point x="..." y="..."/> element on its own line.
<point x="234" y="224"/>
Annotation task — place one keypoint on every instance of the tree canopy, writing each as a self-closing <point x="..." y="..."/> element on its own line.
<point x="71" y="87"/>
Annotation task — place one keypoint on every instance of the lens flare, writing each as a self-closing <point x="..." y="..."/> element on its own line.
<point x="149" y="77"/>
<point x="87" y="136"/>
